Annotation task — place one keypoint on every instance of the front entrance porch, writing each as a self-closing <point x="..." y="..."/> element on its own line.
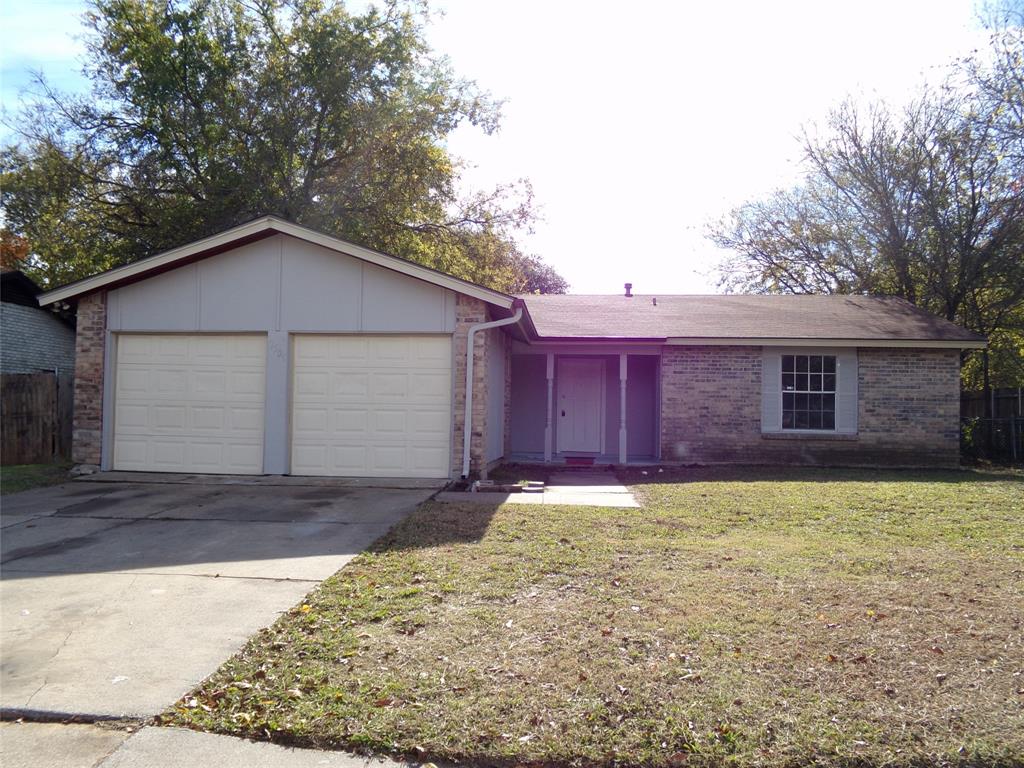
<point x="573" y="406"/>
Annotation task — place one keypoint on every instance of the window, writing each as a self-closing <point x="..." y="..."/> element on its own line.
<point x="809" y="392"/>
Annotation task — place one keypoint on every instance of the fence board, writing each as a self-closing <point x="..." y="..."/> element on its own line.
<point x="1006" y="402"/>
<point x="28" y="418"/>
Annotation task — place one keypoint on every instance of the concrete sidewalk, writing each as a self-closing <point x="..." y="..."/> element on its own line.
<point x="578" y="489"/>
<point x="54" y="745"/>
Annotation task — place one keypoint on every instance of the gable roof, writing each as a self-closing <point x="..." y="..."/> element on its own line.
<point x="749" y="319"/>
<point x="258" y="229"/>
<point x="18" y="288"/>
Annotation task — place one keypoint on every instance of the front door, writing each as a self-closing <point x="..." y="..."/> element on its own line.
<point x="580" y="404"/>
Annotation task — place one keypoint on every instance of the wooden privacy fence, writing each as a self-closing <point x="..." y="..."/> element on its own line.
<point x="35" y="417"/>
<point x="1004" y="403"/>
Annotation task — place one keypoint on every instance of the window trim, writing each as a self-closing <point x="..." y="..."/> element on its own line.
<point x="835" y="394"/>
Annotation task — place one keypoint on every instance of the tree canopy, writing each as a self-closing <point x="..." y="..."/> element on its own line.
<point x="924" y="202"/>
<point x="203" y="114"/>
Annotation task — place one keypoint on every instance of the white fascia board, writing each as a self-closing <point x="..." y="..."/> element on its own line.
<point x="272" y="224"/>
<point x="756" y="342"/>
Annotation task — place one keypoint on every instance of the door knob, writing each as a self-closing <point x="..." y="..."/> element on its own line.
<point x="563" y="414"/>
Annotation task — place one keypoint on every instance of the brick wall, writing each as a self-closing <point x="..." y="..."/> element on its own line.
<point x="32" y="339"/>
<point x="89" y="344"/>
<point x="468" y="312"/>
<point x="907" y="412"/>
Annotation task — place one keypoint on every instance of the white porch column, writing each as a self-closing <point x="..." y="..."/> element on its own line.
<point x="622" y="407"/>
<point x="551" y="404"/>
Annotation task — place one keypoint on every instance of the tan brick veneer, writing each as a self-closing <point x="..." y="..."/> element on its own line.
<point x="468" y="312"/>
<point x="90" y="339"/>
<point x="908" y="410"/>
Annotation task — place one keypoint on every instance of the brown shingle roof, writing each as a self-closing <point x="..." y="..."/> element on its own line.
<point x="871" y="318"/>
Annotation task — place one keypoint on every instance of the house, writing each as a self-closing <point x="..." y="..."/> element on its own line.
<point x="271" y="348"/>
<point x="32" y="338"/>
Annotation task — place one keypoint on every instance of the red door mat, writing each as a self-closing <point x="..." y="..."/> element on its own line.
<point x="579" y="461"/>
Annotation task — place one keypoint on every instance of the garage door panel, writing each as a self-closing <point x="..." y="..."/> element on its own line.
<point x="189" y="403"/>
<point x="427" y="458"/>
<point x="429" y="424"/>
<point x="246" y="419"/>
<point x="431" y="388"/>
<point x="351" y="422"/>
<point x="350" y="385"/>
<point x="389" y="402"/>
<point x="166" y="382"/>
<point x="169" y="417"/>
<point x="387" y="386"/>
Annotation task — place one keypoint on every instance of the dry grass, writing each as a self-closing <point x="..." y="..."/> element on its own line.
<point x="748" y="617"/>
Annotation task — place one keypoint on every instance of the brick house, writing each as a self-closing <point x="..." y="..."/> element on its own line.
<point x="32" y="338"/>
<point x="271" y="348"/>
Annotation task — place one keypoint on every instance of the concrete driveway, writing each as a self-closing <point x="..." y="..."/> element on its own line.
<point x="117" y="598"/>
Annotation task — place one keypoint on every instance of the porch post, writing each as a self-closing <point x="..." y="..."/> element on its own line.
<point x="551" y="404"/>
<point x="622" y="407"/>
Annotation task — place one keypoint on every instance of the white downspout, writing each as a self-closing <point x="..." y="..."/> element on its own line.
<point x="467" y="431"/>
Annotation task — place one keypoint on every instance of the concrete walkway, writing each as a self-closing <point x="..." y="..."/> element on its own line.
<point x="578" y="489"/>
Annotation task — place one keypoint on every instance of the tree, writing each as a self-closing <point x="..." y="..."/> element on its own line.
<point x="925" y="203"/>
<point x="206" y="113"/>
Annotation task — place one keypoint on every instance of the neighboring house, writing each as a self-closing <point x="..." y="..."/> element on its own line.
<point x="274" y="349"/>
<point x="32" y="338"/>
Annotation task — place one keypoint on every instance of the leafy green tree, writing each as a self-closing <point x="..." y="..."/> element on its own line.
<point x="206" y="113"/>
<point x="925" y="203"/>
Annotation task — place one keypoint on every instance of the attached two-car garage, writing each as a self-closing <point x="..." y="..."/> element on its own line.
<point x="361" y="405"/>
<point x="274" y="349"/>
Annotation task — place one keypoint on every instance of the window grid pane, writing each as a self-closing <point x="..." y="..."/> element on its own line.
<point x="809" y="392"/>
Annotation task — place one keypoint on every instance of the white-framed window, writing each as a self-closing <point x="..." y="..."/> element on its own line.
<point x="808" y="389"/>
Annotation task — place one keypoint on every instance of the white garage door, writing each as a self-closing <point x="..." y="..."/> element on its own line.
<point x="190" y="403"/>
<point x="372" y="406"/>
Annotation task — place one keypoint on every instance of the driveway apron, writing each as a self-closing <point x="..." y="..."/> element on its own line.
<point x="117" y="598"/>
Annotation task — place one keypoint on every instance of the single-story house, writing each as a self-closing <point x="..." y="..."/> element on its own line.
<point x="33" y="338"/>
<point x="275" y="349"/>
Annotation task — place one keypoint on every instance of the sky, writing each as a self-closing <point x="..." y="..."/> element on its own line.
<point x="637" y="123"/>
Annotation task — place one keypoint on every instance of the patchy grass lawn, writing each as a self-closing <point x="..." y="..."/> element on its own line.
<point x="25" y="477"/>
<point x="753" y="617"/>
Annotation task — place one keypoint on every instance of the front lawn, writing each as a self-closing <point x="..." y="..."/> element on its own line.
<point x="770" y="617"/>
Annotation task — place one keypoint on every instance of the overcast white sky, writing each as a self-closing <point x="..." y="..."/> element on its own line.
<point x="636" y="122"/>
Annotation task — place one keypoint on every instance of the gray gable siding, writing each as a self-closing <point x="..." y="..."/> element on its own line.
<point x="282" y="284"/>
<point x="34" y="340"/>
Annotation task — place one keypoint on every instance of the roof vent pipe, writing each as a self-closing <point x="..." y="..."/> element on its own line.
<point x="629" y="289"/>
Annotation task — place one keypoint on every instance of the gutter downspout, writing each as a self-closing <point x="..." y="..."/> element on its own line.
<point x="467" y="431"/>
